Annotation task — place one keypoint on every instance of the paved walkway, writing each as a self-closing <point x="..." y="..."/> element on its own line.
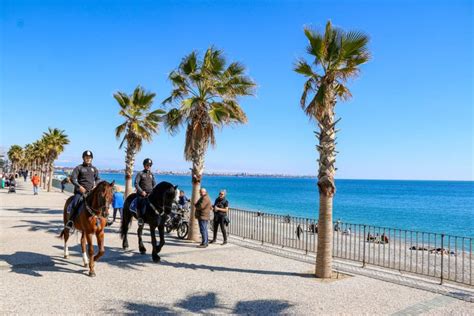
<point x="36" y="279"/>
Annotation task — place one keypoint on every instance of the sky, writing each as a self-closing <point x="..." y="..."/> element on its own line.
<point x="411" y="115"/>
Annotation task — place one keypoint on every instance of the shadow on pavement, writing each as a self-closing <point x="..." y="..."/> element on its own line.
<point x="207" y="303"/>
<point x="50" y="226"/>
<point x="193" y="266"/>
<point x="30" y="263"/>
<point x="35" y="210"/>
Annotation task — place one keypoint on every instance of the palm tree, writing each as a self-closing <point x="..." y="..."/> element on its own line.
<point x="140" y="124"/>
<point x="15" y="154"/>
<point x="205" y="92"/>
<point x="54" y="140"/>
<point x="336" y="57"/>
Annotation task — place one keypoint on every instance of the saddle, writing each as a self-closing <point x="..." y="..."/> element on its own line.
<point x="80" y="203"/>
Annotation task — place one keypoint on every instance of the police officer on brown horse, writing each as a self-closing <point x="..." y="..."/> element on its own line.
<point x="144" y="184"/>
<point x="84" y="178"/>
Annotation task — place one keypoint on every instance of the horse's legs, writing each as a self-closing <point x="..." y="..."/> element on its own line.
<point x="85" y="259"/>
<point x="141" y="247"/>
<point x="161" y="231"/>
<point x="154" y="253"/>
<point x="91" y="254"/>
<point x="100" y="244"/>
<point x="66" y="248"/>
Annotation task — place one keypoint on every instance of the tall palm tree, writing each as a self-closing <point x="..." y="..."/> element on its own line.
<point x="205" y="92"/>
<point x="54" y="140"/>
<point x="336" y="56"/>
<point x="15" y="154"/>
<point x="140" y="124"/>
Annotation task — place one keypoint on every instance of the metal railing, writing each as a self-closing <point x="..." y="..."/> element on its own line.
<point x="440" y="256"/>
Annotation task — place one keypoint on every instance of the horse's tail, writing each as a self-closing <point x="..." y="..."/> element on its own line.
<point x="126" y="216"/>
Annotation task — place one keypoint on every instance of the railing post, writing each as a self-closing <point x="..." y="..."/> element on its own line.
<point x="442" y="258"/>
<point x="306" y="236"/>
<point x="363" y="249"/>
<point x="262" y="222"/>
<point x="273" y="230"/>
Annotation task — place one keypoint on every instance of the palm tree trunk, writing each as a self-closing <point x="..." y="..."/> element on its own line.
<point x="51" y="171"/>
<point x="196" y="173"/>
<point x="129" y="164"/>
<point x="327" y="189"/>
<point x="44" y="167"/>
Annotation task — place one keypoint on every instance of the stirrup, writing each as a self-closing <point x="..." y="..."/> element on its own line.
<point x="140" y="221"/>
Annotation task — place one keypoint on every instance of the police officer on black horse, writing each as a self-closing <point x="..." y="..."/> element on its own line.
<point x="144" y="184"/>
<point x="84" y="178"/>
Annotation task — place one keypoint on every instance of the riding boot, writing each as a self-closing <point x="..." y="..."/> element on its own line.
<point x="72" y="218"/>
<point x="140" y="218"/>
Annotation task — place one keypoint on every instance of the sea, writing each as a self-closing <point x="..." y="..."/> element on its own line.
<point x="445" y="207"/>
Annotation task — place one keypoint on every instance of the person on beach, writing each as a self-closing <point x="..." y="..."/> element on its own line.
<point x="84" y="178"/>
<point x="117" y="204"/>
<point x="36" y="183"/>
<point x="144" y="184"/>
<point x="25" y="175"/>
<point x="203" y="214"/>
<point x="221" y="209"/>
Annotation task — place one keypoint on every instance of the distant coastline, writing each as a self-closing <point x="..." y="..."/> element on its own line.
<point x="217" y="174"/>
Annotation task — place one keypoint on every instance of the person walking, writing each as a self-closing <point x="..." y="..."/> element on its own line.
<point x="203" y="214"/>
<point x="144" y="184"/>
<point x="84" y="178"/>
<point x="221" y="209"/>
<point x="64" y="182"/>
<point x="117" y="204"/>
<point x="25" y="174"/>
<point x="36" y="183"/>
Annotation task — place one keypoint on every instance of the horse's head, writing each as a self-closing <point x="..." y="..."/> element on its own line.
<point x="164" y="194"/>
<point x="101" y="197"/>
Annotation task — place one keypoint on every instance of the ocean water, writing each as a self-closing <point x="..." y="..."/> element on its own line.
<point x="430" y="206"/>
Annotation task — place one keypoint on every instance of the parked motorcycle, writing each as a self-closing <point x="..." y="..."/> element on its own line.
<point x="178" y="220"/>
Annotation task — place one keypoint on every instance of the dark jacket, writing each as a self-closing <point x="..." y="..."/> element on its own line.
<point x="203" y="208"/>
<point x="221" y="203"/>
<point x="144" y="182"/>
<point x="86" y="176"/>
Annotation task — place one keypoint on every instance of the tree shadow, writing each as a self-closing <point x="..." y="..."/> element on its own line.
<point x="193" y="266"/>
<point x="30" y="263"/>
<point x="262" y="307"/>
<point x="205" y="303"/>
<point x="35" y="210"/>
<point x="51" y="226"/>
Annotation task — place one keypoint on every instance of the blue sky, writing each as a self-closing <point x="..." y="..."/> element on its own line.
<point x="411" y="116"/>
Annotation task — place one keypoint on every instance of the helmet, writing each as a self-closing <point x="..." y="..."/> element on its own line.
<point x="147" y="161"/>
<point x="87" y="153"/>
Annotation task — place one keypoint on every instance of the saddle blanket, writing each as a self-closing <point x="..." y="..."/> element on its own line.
<point x="133" y="205"/>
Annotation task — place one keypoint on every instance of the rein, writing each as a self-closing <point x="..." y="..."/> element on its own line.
<point x="159" y="210"/>
<point x="93" y="212"/>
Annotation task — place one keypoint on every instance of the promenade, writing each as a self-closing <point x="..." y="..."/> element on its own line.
<point x="36" y="279"/>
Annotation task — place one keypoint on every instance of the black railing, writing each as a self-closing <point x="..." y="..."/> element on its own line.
<point x="440" y="256"/>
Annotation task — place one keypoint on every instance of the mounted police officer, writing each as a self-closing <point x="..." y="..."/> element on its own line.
<point x="144" y="184"/>
<point x="84" y="178"/>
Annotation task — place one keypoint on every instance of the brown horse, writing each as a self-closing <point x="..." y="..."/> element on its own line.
<point x="92" y="219"/>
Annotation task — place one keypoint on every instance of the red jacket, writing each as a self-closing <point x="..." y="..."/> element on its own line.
<point x="35" y="180"/>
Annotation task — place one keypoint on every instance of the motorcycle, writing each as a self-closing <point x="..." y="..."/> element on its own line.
<point x="178" y="220"/>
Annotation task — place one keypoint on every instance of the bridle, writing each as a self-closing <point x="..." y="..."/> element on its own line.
<point x="161" y="209"/>
<point x="98" y="212"/>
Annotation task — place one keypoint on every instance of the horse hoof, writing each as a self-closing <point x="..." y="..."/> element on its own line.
<point x="143" y="251"/>
<point x="92" y="274"/>
<point x="85" y="265"/>
<point x="156" y="259"/>
<point x="66" y="257"/>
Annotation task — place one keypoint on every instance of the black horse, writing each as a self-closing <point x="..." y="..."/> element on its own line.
<point x="158" y="207"/>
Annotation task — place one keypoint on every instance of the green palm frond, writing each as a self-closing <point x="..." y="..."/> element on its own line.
<point x="140" y="121"/>
<point x="204" y="96"/>
<point x="337" y="56"/>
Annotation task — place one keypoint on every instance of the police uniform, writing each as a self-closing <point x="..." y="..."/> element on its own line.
<point x="85" y="175"/>
<point x="144" y="182"/>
